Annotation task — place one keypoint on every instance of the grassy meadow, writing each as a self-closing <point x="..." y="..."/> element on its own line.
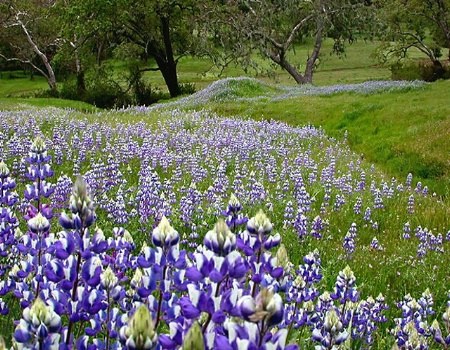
<point x="328" y="167"/>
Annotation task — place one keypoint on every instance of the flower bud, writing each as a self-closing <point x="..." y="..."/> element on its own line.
<point x="283" y="258"/>
<point x="233" y="204"/>
<point x="80" y="202"/>
<point x="140" y="333"/>
<point x="332" y="322"/>
<point x="165" y="235"/>
<point x="108" y="279"/>
<point x="38" y="145"/>
<point x="259" y="224"/>
<point x="220" y="240"/>
<point x="4" y="171"/>
<point x="136" y="281"/>
<point x="38" y="224"/>
<point x="446" y="316"/>
<point x="267" y="306"/>
<point x="194" y="338"/>
<point x="38" y="151"/>
<point x="128" y="237"/>
<point x="41" y="314"/>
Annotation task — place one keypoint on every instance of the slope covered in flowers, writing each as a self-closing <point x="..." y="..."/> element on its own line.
<point x="199" y="231"/>
<point x="254" y="90"/>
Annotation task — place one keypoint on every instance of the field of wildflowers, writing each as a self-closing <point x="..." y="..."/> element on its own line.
<point x="196" y="231"/>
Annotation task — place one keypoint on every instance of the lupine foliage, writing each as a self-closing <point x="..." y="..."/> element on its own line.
<point x="198" y="231"/>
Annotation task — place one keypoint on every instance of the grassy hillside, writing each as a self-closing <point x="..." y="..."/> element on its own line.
<point x="401" y="132"/>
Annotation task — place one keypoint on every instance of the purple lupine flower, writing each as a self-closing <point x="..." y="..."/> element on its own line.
<point x="418" y="188"/>
<point x="303" y="199"/>
<point x="339" y="202"/>
<point x="81" y="206"/>
<point x="164" y="235"/>
<point x="38" y="172"/>
<point x="318" y="226"/>
<point x="438" y="336"/>
<point x="288" y="214"/>
<point x="345" y="289"/>
<point x="411" y="204"/>
<point x="234" y="217"/>
<point x="408" y="181"/>
<point x="412" y="329"/>
<point x="301" y="225"/>
<point x="378" y="200"/>
<point x="220" y="240"/>
<point x="349" y="242"/>
<point x="406" y="230"/>
<point x="365" y="319"/>
<point x="374" y="244"/>
<point x="331" y="332"/>
<point x="358" y="205"/>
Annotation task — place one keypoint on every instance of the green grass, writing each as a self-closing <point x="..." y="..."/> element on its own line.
<point x="19" y="84"/>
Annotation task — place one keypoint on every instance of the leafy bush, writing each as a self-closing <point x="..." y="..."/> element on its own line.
<point x="101" y="90"/>
<point x="105" y="92"/>
<point x="420" y="70"/>
<point x="187" y="88"/>
<point x="141" y="93"/>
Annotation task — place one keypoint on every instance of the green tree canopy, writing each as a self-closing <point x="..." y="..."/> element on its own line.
<point x="273" y="27"/>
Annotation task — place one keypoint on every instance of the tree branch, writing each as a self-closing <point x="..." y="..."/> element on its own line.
<point x="295" y="30"/>
<point x="15" y="59"/>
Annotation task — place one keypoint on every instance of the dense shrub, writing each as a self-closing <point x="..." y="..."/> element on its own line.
<point x="105" y="92"/>
<point x="420" y="70"/>
<point x="101" y="90"/>
<point x="187" y="88"/>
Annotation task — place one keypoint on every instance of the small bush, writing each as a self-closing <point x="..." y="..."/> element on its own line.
<point x="45" y="93"/>
<point x="187" y="88"/>
<point x="101" y="90"/>
<point x="141" y="93"/>
<point x="420" y="70"/>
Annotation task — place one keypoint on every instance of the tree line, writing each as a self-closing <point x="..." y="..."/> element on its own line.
<point x="68" y="37"/>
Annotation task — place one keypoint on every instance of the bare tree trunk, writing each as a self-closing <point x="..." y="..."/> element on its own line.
<point x="50" y="75"/>
<point x="169" y="68"/>
<point x="293" y="72"/>
<point x="311" y="62"/>
<point x="81" y="86"/>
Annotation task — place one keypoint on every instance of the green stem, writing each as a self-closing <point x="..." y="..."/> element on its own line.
<point x="258" y="260"/>
<point x="108" y="311"/>
<point x="216" y="294"/>
<point x="292" y="323"/>
<point x="262" y="331"/>
<point x="74" y="294"/>
<point x="158" y="313"/>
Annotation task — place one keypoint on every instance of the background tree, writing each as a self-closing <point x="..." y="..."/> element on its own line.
<point x="164" y="31"/>
<point x="274" y="27"/>
<point x="85" y="29"/>
<point x="30" y="32"/>
<point x="420" y="24"/>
